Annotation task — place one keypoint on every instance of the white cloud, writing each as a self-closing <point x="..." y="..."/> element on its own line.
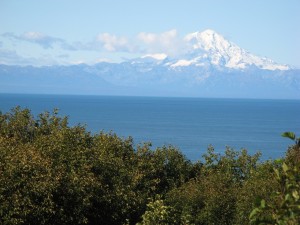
<point x="148" y="38"/>
<point x="143" y="43"/>
<point x="164" y="38"/>
<point x="167" y="42"/>
<point x="106" y="45"/>
<point x="34" y="36"/>
<point x="112" y="43"/>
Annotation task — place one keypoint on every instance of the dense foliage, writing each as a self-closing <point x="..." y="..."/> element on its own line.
<point x="52" y="173"/>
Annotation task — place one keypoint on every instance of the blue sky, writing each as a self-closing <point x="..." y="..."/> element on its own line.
<point x="51" y="32"/>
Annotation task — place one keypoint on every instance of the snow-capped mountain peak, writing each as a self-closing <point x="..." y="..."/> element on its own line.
<point x="208" y="40"/>
<point x="209" y="47"/>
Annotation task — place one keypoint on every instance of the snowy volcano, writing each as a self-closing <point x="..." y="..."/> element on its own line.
<point x="210" y="48"/>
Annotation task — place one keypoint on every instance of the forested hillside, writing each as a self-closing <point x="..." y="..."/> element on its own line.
<point x="54" y="173"/>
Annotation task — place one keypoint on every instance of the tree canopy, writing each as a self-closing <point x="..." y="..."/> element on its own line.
<point x="54" y="173"/>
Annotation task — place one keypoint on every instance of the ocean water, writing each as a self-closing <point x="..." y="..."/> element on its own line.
<point x="190" y="124"/>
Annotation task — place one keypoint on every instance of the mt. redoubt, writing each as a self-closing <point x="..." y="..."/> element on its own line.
<point x="210" y="67"/>
<point x="210" y="48"/>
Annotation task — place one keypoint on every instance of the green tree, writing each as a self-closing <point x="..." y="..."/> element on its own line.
<point x="285" y="210"/>
<point x="293" y="153"/>
<point x="157" y="213"/>
<point x="213" y="196"/>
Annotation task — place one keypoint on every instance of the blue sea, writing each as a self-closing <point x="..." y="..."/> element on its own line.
<point x="190" y="124"/>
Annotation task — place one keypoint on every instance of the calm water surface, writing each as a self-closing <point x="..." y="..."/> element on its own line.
<point x="191" y="124"/>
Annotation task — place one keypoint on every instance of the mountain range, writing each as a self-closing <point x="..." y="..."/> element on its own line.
<point x="210" y="67"/>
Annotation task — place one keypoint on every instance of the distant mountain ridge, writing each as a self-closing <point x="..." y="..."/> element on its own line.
<point x="212" y="67"/>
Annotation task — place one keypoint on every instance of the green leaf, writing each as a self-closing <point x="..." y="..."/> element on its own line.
<point x="287" y="197"/>
<point x="285" y="167"/>
<point x="295" y="195"/>
<point x="277" y="174"/>
<point x="289" y="135"/>
<point x="254" y="212"/>
<point x="278" y="161"/>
